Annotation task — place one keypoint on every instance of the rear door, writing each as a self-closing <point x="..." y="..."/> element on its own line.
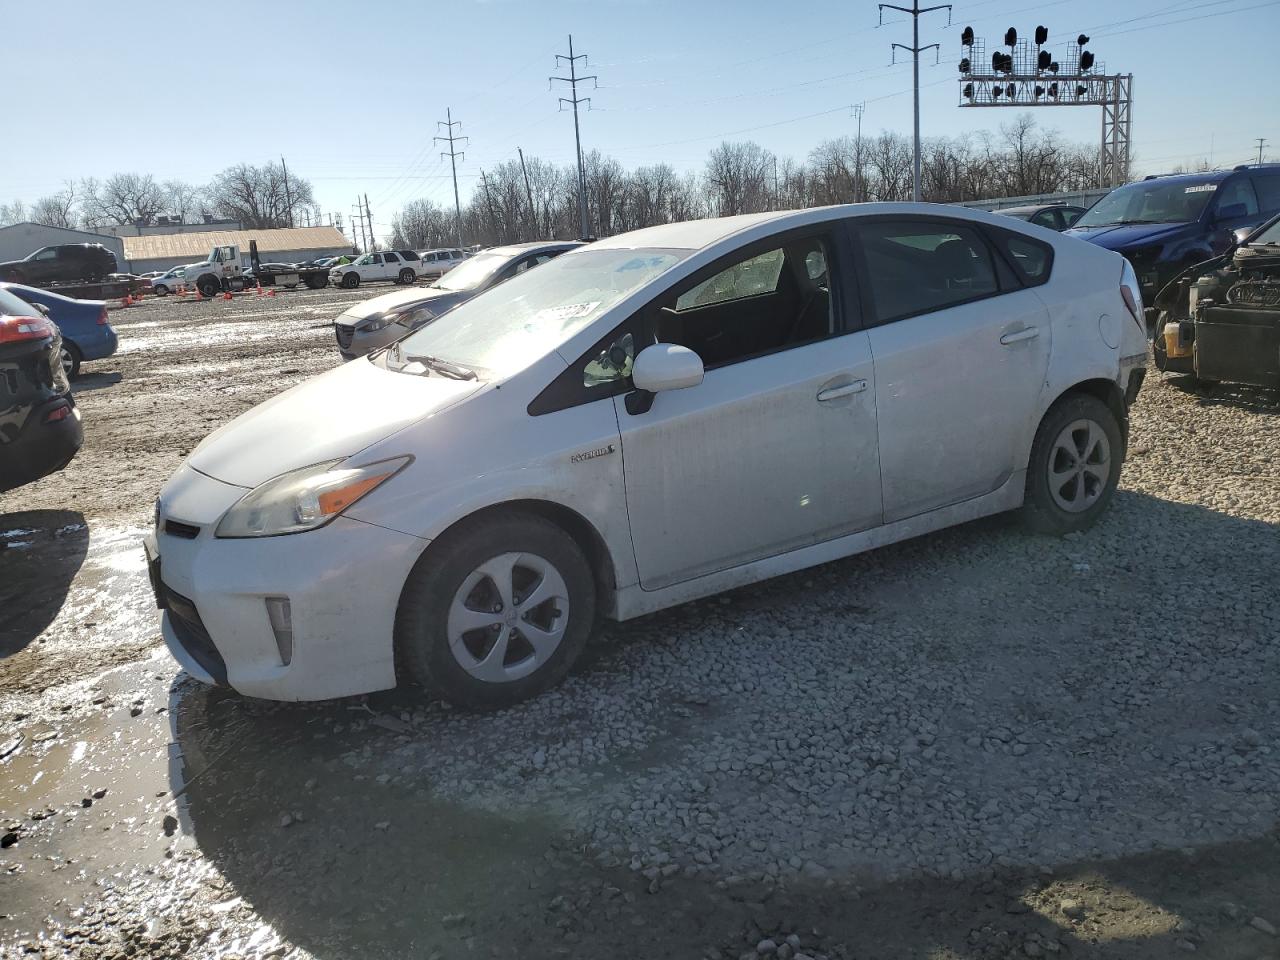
<point x="391" y="266"/>
<point x="961" y="351"/>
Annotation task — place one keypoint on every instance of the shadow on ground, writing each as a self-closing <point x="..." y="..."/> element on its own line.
<point x="342" y="860"/>
<point x="40" y="553"/>
<point x="96" y="381"/>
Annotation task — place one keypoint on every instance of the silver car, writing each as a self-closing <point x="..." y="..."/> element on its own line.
<point x="371" y="324"/>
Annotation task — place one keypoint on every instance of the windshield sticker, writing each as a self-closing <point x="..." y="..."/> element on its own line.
<point x="1203" y="188"/>
<point x="568" y="311"/>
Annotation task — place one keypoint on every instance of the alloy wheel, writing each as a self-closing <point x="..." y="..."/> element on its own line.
<point x="1079" y="466"/>
<point x="508" y="617"/>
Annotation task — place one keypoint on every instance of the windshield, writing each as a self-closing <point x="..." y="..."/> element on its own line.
<point x="475" y="271"/>
<point x="1150" y="201"/>
<point x="507" y="328"/>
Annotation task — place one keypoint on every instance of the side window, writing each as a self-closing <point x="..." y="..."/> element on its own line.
<point x="529" y="263"/>
<point x="916" y="267"/>
<point x="1046" y="218"/>
<point x="377" y="259"/>
<point x="1235" y="194"/>
<point x="612" y="364"/>
<point x="49" y="254"/>
<point x="392" y="258"/>
<point x="1268" y="187"/>
<point x="1070" y="216"/>
<point x="771" y="300"/>
<point x="430" y="258"/>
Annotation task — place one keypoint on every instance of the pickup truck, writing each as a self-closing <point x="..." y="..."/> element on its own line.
<point x="387" y="265"/>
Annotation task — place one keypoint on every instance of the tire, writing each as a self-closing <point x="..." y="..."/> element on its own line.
<point x="1066" y="486"/>
<point x="291" y="286"/>
<point x="160" y="291"/>
<point x="350" y="280"/>
<point x="208" y="287"/>
<point x="406" y="277"/>
<point x="450" y="582"/>
<point x="70" y="358"/>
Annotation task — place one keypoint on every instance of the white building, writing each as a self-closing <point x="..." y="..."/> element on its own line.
<point x="20" y="239"/>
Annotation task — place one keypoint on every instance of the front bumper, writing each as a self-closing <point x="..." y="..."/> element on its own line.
<point x="343" y="582"/>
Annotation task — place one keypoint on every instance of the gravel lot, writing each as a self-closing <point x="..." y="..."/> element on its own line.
<point x="975" y="744"/>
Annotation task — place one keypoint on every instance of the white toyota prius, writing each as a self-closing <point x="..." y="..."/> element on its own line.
<point x="642" y="421"/>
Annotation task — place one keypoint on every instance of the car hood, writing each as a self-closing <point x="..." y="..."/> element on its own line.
<point x="1122" y="236"/>
<point x="334" y="415"/>
<point x="441" y="299"/>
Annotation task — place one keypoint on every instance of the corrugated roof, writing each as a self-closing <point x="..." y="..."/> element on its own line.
<point x="197" y="245"/>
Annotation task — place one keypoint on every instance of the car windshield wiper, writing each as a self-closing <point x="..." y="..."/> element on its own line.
<point x="1126" y="223"/>
<point x="454" y="371"/>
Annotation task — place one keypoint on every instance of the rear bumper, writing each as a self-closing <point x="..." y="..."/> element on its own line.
<point x="99" y="347"/>
<point x="41" y="448"/>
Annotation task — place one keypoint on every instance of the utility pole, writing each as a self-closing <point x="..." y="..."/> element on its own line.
<point x="287" y="198"/>
<point x="453" y="154"/>
<point x="533" y="213"/>
<point x="364" y="243"/>
<point x="857" y="154"/>
<point x="915" y="49"/>
<point x="573" y="80"/>
<point x="1262" y="142"/>
<point x="369" y="216"/>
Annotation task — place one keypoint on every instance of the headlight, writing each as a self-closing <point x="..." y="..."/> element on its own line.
<point x="409" y="318"/>
<point x="304" y="499"/>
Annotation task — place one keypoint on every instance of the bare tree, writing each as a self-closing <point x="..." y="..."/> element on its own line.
<point x="15" y="212"/>
<point x="420" y="224"/>
<point x="123" y="198"/>
<point x="184" y="200"/>
<point x="257" y="197"/>
<point x="739" y="177"/>
<point x="57" y="209"/>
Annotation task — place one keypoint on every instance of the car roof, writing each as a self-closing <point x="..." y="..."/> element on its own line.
<point x="1037" y="207"/>
<point x="1209" y="176"/>
<point x="515" y="249"/>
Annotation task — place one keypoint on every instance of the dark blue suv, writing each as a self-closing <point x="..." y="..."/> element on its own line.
<point x="1165" y="224"/>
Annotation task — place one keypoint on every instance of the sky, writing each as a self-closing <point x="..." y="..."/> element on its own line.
<point x="350" y="94"/>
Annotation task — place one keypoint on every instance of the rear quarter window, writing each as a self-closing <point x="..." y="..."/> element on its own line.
<point x="1031" y="259"/>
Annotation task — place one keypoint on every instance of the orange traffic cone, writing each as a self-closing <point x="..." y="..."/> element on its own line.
<point x="271" y="292"/>
<point x="227" y="295"/>
<point x="199" y="295"/>
<point x="127" y="301"/>
<point x="259" y="288"/>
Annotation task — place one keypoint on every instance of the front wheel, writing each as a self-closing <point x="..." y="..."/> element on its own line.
<point x="208" y="287"/>
<point x="1074" y="467"/>
<point x="496" y="611"/>
<point x="160" y="291"/>
<point x="350" y="280"/>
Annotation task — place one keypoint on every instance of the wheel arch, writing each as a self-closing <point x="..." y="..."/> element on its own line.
<point x="1101" y="388"/>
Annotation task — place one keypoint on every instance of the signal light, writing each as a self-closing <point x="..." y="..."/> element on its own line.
<point x="995" y="92"/>
<point x="1010" y="91"/>
<point x="1053" y="67"/>
<point x="1042" y="35"/>
<point x="1053" y="90"/>
<point x="1082" y="40"/>
<point x="968" y="90"/>
<point x="964" y="65"/>
<point x="1043" y="60"/>
<point x="966" y="37"/>
<point x="1086" y="61"/>
<point x="1081" y="90"/>
<point x="1010" y="37"/>
<point x="1039" y="91"/>
<point x="1002" y="62"/>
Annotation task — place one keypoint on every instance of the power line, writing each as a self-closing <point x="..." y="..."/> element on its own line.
<point x="573" y="80"/>
<point x="1262" y="142"/>
<point x="915" y="49"/>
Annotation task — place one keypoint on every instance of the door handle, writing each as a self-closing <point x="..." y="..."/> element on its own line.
<point x="844" y="390"/>
<point x="1026" y="333"/>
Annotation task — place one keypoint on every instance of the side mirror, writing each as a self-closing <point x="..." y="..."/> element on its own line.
<point x="1241" y="234"/>
<point x="666" y="366"/>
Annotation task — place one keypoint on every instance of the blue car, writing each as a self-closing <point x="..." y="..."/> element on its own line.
<point x="1163" y="225"/>
<point x="86" y="334"/>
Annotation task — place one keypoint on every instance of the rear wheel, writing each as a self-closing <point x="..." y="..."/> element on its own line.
<point x="70" y="358"/>
<point x="406" y="276"/>
<point x="1074" y="467"/>
<point x="160" y="291"/>
<point x="351" y="280"/>
<point x="496" y="611"/>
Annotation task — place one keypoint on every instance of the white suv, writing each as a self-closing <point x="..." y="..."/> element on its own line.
<point x="639" y="422"/>
<point x="436" y="263"/>
<point x="386" y="265"/>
